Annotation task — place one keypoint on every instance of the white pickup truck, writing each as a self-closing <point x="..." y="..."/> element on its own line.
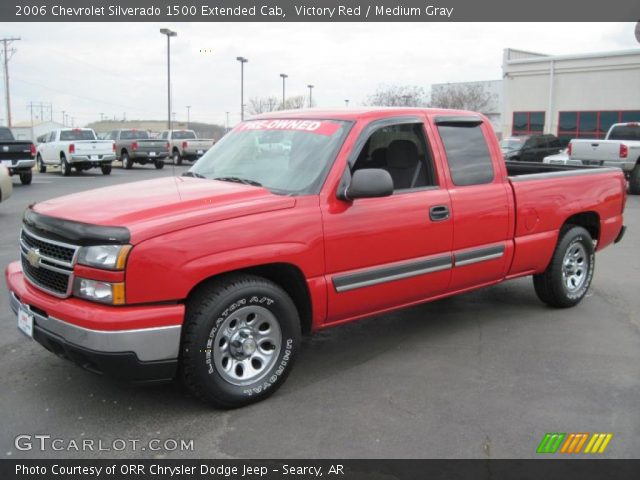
<point x="76" y="148"/>
<point x="185" y="145"/>
<point x="620" y="148"/>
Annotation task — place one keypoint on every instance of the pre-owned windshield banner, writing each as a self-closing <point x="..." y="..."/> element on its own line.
<point x="319" y="11"/>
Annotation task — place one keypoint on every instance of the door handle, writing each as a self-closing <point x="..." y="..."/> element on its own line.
<point x="439" y="213"/>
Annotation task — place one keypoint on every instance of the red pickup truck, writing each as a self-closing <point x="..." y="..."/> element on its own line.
<point x="292" y="223"/>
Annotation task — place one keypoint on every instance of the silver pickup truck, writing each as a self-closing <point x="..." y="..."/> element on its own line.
<point x="185" y="145"/>
<point x="135" y="146"/>
<point x="620" y="148"/>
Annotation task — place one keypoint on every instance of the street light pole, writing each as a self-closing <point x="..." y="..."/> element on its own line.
<point x="242" y="61"/>
<point x="310" y="95"/>
<point x="284" y="76"/>
<point x="169" y="34"/>
<point x="346" y="102"/>
<point x="227" y="129"/>
<point x="188" y="115"/>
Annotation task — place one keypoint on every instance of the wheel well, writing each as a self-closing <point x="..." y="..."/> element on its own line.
<point x="124" y="150"/>
<point x="175" y="149"/>
<point x="62" y="155"/>
<point x="590" y="221"/>
<point x="287" y="276"/>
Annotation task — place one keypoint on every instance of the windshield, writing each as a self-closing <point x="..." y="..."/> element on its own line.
<point x="183" y="135"/>
<point x="511" y="144"/>
<point x="285" y="156"/>
<point x="133" y="135"/>
<point x="77" y="135"/>
<point x="625" y="132"/>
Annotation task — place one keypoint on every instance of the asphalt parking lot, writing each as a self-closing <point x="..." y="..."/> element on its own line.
<point x="482" y="375"/>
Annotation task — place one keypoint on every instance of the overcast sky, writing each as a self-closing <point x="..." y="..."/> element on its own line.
<point x="113" y="68"/>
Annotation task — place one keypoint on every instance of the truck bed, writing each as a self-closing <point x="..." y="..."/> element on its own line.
<point x="517" y="169"/>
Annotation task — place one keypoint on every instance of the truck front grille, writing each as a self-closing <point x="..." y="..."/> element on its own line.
<point x="48" y="264"/>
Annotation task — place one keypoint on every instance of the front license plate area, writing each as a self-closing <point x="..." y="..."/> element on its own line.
<point x="25" y="321"/>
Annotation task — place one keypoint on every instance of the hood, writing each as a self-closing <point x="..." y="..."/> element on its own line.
<point x="152" y="207"/>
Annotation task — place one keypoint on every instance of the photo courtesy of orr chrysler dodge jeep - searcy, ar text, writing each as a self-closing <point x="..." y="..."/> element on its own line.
<point x="295" y="222"/>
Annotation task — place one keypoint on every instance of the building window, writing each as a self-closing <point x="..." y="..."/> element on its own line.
<point x="527" y="123"/>
<point x="592" y="124"/>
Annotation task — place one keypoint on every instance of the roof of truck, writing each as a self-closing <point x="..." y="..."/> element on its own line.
<point x="356" y="113"/>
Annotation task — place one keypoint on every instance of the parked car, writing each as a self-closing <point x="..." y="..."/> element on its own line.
<point x="530" y="148"/>
<point x="76" y="148"/>
<point x="6" y="187"/>
<point x="135" y="146"/>
<point x="214" y="275"/>
<point x="185" y="145"/>
<point x="620" y="148"/>
<point x="17" y="156"/>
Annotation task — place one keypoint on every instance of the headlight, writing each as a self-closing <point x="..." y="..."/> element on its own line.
<point x="98" y="291"/>
<point x="110" y="257"/>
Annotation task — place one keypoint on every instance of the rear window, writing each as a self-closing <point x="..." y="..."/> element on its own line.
<point x="467" y="154"/>
<point x="183" y="135"/>
<point x="133" y="135"/>
<point x="5" y="135"/>
<point x="77" y="135"/>
<point x="625" y="132"/>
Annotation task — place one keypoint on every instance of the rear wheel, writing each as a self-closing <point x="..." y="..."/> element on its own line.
<point x="159" y="164"/>
<point x="634" y="180"/>
<point x="106" y="168"/>
<point x="177" y="158"/>
<point x="240" y="338"/>
<point x="566" y="280"/>
<point x="42" y="168"/>
<point x="65" y="166"/>
<point x="26" y="177"/>
<point x="126" y="161"/>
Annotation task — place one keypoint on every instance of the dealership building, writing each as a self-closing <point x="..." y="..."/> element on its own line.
<point x="571" y="96"/>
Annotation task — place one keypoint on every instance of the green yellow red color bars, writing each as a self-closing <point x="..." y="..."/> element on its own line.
<point x="573" y="443"/>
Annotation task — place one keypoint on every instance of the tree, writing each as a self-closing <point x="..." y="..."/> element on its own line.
<point x="258" y="105"/>
<point x="397" y="96"/>
<point x="299" y="101"/>
<point x="462" y="96"/>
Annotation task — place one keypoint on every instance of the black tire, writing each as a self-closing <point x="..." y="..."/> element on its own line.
<point x="634" y="180"/>
<point x="42" y="168"/>
<point x="127" y="163"/>
<point x="177" y="158"/>
<point x="550" y="285"/>
<point x="215" y="305"/>
<point x="106" y="168"/>
<point x="159" y="164"/>
<point x="65" y="166"/>
<point x="26" y="177"/>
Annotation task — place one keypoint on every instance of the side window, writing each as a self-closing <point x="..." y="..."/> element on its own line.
<point x="467" y="154"/>
<point x="402" y="151"/>
<point x="164" y="135"/>
<point x="52" y="137"/>
<point x="114" y="135"/>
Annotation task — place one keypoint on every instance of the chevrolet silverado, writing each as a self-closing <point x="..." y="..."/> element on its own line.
<point x="213" y="276"/>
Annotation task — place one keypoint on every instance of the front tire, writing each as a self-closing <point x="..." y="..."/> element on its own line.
<point x="106" y="169"/>
<point x="634" y="180"/>
<point x="42" y="168"/>
<point x="26" y="177"/>
<point x="240" y="339"/>
<point x="566" y="280"/>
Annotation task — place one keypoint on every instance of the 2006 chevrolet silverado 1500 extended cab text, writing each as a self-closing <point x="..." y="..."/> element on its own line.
<point x="213" y="276"/>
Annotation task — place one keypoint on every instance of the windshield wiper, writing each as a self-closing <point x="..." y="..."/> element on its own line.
<point x="193" y="174"/>
<point x="239" y="180"/>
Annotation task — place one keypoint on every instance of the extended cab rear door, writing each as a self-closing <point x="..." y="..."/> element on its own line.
<point x="385" y="252"/>
<point x="481" y="200"/>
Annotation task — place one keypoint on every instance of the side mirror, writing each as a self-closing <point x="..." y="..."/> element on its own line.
<point x="369" y="183"/>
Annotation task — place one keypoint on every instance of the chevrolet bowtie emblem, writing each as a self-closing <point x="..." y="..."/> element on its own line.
<point x="33" y="256"/>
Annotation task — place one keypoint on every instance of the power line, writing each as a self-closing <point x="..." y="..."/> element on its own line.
<point x="8" y="41"/>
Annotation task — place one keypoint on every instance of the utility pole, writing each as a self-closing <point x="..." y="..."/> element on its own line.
<point x="169" y="34"/>
<point x="7" y="42"/>
<point x="284" y="102"/>
<point x="63" y="119"/>
<point x="188" y="115"/>
<point x="227" y="129"/>
<point x="30" y="107"/>
<point x="346" y="102"/>
<point x="310" y="87"/>
<point x="242" y="61"/>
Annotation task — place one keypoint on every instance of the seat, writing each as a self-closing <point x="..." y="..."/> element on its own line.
<point x="403" y="162"/>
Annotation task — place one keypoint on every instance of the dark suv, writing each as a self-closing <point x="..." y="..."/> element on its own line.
<point x="530" y="148"/>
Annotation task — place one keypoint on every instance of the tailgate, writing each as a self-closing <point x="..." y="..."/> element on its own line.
<point x="595" y="149"/>
<point x="152" y="145"/>
<point x="93" y="147"/>
<point x="14" y="151"/>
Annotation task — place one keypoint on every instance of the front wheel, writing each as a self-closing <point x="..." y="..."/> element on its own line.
<point x="106" y="168"/>
<point x="240" y="339"/>
<point x="26" y="177"/>
<point x="634" y="180"/>
<point x="566" y="280"/>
